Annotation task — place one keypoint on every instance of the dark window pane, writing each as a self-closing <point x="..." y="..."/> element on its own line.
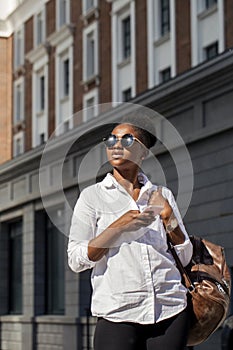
<point x="90" y="55"/>
<point x="15" y="272"/>
<point x="126" y="95"/>
<point x="42" y="93"/>
<point x="165" y="16"/>
<point x="66" y="77"/>
<point x="55" y="269"/>
<point x="165" y="75"/>
<point x="209" y="3"/>
<point x="211" y="51"/>
<point x="85" y="292"/>
<point x="126" y="37"/>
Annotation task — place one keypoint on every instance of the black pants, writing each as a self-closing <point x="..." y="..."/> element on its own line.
<point x="170" y="334"/>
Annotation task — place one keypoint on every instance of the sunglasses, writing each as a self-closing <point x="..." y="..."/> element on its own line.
<point x="126" y="140"/>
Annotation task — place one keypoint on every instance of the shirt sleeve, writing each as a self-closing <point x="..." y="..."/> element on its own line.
<point x="82" y="230"/>
<point x="185" y="249"/>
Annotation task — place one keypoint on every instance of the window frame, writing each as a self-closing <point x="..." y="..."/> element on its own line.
<point x="165" y="25"/>
<point x="61" y="18"/>
<point x="19" y="48"/>
<point x="126" y="34"/>
<point x="38" y="42"/>
<point x="93" y="94"/>
<point x="18" y="137"/>
<point x="40" y="69"/>
<point x="19" y="83"/>
<point x="91" y="30"/>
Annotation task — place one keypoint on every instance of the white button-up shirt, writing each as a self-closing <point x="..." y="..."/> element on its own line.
<point x="137" y="280"/>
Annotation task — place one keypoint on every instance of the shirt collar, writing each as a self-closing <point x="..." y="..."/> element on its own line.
<point x="110" y="182"/>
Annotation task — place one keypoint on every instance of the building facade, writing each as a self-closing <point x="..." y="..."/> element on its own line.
<point x="66" y="67"/>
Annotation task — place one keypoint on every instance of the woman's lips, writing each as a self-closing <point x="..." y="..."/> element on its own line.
<point x="117" y="155"/>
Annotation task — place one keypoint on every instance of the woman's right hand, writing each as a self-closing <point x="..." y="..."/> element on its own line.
<point x="133" y="220"/>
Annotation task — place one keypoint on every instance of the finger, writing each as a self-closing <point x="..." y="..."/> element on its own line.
<point x="160" y="190"/>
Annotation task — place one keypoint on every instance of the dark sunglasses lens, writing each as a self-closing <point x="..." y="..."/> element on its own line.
<point x="110" y="140"/>
<point x="127" y="140"/>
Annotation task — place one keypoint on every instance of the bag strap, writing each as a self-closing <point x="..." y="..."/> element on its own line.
<point x="188" y="283"/>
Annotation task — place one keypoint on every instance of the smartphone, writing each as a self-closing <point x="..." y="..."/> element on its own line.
<point x="156" y="209"/>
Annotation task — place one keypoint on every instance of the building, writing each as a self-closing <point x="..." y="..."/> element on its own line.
<point x="62" y="63"/>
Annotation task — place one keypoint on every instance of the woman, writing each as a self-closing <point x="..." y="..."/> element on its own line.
<point x="119" y="229"/>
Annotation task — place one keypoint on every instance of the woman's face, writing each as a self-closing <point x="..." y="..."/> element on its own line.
<point x="121" y="157"/>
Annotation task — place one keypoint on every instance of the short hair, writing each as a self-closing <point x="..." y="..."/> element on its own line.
<point x="143" y="125"/>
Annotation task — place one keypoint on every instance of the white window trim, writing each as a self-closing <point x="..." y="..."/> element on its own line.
<point x="43" y="12"/>
<point x="65" y="46"/>
<point x="196" y="51"/>
<point x="154" y="38"/>
<point x="18" y="136"/>
<point x="18" y="82"/>
<point x="94" y="93"/>
<point x="19" y="64"/>
<point x="117" y="10"/>
<point x="91" y="28"/>
<point x="38" y="66"/>
<point x="67" y="20"/>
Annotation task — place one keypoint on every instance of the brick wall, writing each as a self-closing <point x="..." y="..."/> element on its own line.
<point x="50" y="17"/>
<point x="51" y="91"/>
<point x="5" y="98"/>
<point x="28" y="35"/>
<point x="105" y="93"/>
<point x="228" y="13"/>
<point x="76" y="11"/>
<point x="141" y="46"/>
<point x="183" y="36"/>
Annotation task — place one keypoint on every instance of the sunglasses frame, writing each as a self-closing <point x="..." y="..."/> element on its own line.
<point x="117" y="139"/>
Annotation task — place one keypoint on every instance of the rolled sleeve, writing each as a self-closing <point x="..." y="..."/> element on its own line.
<point x="185" y="249"/>
<point x="78" y="257"/>
<point x="82" y="230"/>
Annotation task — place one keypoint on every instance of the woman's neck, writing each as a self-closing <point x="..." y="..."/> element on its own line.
<point x="129" y="180"/>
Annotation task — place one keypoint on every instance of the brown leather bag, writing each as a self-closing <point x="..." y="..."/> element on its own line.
<point x="207" y="279"/>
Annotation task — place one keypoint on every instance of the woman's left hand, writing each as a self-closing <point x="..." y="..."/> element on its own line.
<point x="157" y="199"/>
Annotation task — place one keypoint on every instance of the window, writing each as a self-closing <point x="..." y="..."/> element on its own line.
<point x="55" y="245"/>
<point x="15" y="271"/>
<point x="90" y="55"/>
<point x="211" y="51"/>
<point x="90" y="104"/>
<point x="66" y="84"/>
<point x="210" y="3"/>
<point x="18" y="48"/>
<point x="90" y="112"/>
<point x="39" y="28"/>
<point x="63" y="15"/>
<point x="126" y="95"/>
<point x="126" y="38"/>
<point x="18" y="144"/>
<point x="165" y="16"/>
<point x="88" y="5"/>
<point x="165" y="75"/>
<point x="64" y="88"/>
<point x="90" y="52"/>
<point x="40" y="106"/>
<point x="41" y="91"/>
<point x="18" y="101"/>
